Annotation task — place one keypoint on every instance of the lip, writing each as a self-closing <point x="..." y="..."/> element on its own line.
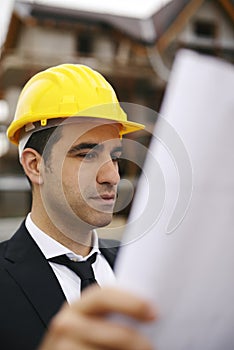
<point x="105" y="198"/>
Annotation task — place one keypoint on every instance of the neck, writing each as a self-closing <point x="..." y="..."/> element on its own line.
<point x="75" y="238"/>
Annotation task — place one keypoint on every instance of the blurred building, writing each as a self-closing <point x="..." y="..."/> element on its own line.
<point x="134" y="54"/>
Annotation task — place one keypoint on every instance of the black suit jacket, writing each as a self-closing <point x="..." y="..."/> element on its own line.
<point x="30" y="294"/>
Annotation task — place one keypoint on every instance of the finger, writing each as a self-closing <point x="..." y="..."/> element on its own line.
<point x="106" y="334"/>
<point x="95" y="333"/>
<point x="97" y="301"/>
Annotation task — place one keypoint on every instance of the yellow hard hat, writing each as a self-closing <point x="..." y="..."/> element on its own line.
<point x="67" y="90"/>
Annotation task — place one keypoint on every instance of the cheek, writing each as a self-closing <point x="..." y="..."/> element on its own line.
<point x="86" y="174"/>
<point x="78" y="177"/>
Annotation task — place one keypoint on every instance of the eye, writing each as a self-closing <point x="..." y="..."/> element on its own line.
<point x="88" y="155"/>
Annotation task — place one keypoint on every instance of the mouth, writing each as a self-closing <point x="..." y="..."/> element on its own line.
<point x="105" y="199"/>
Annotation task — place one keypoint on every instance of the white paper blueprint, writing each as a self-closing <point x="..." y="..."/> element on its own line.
<point x="178" y="248"/>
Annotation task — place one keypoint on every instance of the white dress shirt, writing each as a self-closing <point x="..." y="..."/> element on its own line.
<point x="69" y="281"/>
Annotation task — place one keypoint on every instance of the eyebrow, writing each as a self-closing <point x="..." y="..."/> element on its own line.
<point x="82" y="146"/>
<point x="89" y="146"/>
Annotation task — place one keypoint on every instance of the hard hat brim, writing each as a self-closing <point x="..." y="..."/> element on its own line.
<point x="14" y="129"/>
<point x="129" y="127"/>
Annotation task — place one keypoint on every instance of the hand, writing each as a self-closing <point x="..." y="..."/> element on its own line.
<point x="84" y="325"/>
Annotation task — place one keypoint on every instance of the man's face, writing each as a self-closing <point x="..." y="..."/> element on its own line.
<point x="83" y="174"/>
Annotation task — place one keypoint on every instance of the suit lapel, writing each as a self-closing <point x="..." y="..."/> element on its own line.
<point x="29" y="268"/>
<point x="109" y="248"/>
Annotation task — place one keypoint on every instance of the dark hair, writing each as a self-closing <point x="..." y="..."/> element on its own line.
<point x="39" y="139"/>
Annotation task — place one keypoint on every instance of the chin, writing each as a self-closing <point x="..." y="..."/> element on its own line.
<point x="102" y="221"/>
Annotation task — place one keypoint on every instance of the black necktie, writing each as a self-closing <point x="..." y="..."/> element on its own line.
<point x="82" y="268"/>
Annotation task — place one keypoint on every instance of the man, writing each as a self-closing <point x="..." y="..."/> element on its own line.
<point x="68" y="126"/>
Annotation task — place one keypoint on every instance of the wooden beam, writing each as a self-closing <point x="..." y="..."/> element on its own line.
<point x="229" y="7"/>
<point x="178" y="24"/>
<point x="13" y="32"/>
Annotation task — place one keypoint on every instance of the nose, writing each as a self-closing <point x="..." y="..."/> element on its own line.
<point x="108" y="173"/>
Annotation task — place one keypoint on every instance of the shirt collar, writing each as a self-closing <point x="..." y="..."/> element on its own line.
<point x="51" y="248"/>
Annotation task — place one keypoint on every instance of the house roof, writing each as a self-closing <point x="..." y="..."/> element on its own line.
<point x="140" y="29"/>
<point x="137" y="9"/>
<point x="147" y="31"/>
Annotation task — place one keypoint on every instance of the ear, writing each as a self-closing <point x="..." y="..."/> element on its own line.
<point x="32" y="163"/>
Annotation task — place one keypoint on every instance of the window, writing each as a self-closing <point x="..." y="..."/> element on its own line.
<point x="85" y="42"/>
<point x="205" y="29"/>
